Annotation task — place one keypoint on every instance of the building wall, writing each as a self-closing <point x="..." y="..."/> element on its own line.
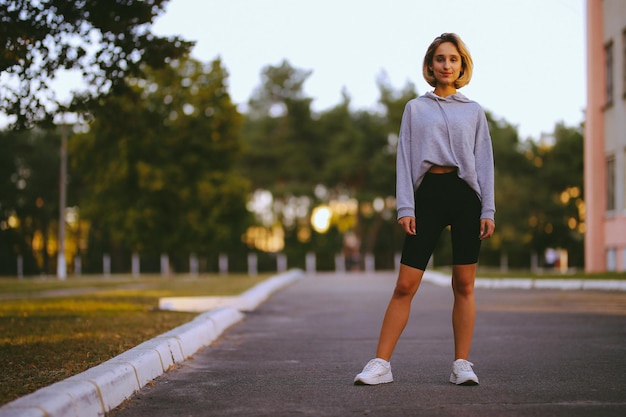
<point x="605" y="136"/>
<point x="615" y="133"/>
<point x="594" y="175"/>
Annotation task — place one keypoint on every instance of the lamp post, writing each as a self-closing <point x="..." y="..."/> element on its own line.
<point x="61" y="261"/>
<point x="67" y="122"/>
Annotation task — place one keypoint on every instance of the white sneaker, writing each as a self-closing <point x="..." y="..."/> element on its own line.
<point x="462" y="373"/>
<point x="377" y="371"/>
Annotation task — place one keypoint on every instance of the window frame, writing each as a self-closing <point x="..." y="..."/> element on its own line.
<point x="611" y="202"/>
<point x="624" y="63"/>
<point x="609" y="62"/>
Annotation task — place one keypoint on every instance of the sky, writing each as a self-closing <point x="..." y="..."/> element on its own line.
<point x="529" y="56"/>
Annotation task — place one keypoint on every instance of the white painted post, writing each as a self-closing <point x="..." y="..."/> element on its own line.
<point x="534" y="262"/>
<point x="223" y="263"/>
<point x="369" y="262"/>
<point x="504" y="262"/>
<point x="20" y="266"/>
<point x="135" y="265"/>
<point x="340" y="263"/>
<point x="253" y="267"/>
<point x="281" y="262"/>
<point x="165" y="265"/>
<point x="194" y="267"/>
<point x="78" y="265"/>
<point x="310" y="263"/>
<point x="106" y="265"/>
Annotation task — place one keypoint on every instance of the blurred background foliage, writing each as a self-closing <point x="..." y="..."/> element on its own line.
<point x="164" y="162"/>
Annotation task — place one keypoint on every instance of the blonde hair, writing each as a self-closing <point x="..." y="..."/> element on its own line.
<point x="466" y="60"/>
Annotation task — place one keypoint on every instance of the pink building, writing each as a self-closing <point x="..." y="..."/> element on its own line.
<point x="605" y="137"/>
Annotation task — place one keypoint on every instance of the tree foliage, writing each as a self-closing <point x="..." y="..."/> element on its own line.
<point x="168" y="165"/>
<point x="29" y="203"/>
<point x="352" y="154"/>
<point x="283" y="151"/>
<point x="103" y="42"/>
<point x="161" y="178"/>
<point x="295" y="154"/>
<point x="539" y="189"/>
<point x="557" y="211"/>
<point x="514" y="178"/>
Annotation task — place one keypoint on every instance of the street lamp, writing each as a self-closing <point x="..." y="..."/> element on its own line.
<point x="320" y="219"/>
<point x="61" y="261"/>
<point x="66" y="123"/>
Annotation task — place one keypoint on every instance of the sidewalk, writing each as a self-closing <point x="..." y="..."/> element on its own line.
<point x="538" y="352"/>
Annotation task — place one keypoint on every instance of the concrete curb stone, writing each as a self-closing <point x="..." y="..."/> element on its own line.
<point x="247" y="301"/>
<point x="441" y="279"/>
<point x="102" y="388"/>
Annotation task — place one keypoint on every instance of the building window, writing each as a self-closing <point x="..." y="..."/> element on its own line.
<point x="624" y="63"/>
<point x="624" y="181"/>
<point x="610" y="183"/>
<point x="611" y="259"/>
<point x="608" y="54"/>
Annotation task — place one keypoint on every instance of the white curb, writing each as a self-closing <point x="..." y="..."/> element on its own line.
<point x="256" y="295"/>
<point x="102" y="388"/>
<point x="247" y="301"/>
<point x="441" y="279"/>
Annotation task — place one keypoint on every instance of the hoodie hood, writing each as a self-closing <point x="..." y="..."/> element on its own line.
<point x="454" y="97"/>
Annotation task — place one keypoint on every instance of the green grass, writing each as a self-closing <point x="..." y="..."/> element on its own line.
<point x="546" y="274"/>
<point x="51" y="330"/>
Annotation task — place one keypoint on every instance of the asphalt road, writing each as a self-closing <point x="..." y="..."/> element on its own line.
<point x="536" y="353"/>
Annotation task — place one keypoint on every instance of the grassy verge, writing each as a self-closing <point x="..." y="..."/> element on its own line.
<point x="545" y="274"/>
<point x="50" y="330"/>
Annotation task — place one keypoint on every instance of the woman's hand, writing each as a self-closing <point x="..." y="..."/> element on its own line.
<point x="408" y="224"/>
<point x="487" y="227"/>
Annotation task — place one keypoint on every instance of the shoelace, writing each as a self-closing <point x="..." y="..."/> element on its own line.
<point x="465" y="366"/>
<point x="372" y="365"/>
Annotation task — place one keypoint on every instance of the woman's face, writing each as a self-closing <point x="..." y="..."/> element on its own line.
<point x="447" y="64"/>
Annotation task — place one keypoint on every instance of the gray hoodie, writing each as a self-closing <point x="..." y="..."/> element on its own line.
<point x="450" y="131"/>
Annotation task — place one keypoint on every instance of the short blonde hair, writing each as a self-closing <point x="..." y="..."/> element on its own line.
<point x="466" y="60"/>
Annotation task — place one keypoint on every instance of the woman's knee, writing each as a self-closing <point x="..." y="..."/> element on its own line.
<point x="408" y="282"/>
<point x="403" y="290"/>
<point x="463" y="278"/>
<point x="463" y="289"/>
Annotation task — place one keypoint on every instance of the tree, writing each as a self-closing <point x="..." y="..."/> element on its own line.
<point x="29" y="170"/>
<point x="394" y="101"/>
<point x="162" y="177"/>
<point x="539" y="189"/>
<point x="514" y="176"/>
<point x="284" y="153"/>
<point x="384" y="156"/>
<point x="558" y="209"/>
<point x="351" y="154"/>
<point x="104" y="42"/>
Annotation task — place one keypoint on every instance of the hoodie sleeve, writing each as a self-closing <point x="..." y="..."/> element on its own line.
<point x="483" y="152"/>
<point x="405" y="199"/>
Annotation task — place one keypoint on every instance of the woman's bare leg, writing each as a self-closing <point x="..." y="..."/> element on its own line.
<point x="398" y="310"/>
<point x="464" y="310"/>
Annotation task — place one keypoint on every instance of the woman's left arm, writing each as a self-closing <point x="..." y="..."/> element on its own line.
<point x="487" y="227"/>
<point x="483" y="154"/>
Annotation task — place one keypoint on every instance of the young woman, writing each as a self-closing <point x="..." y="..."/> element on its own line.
<point x="445" y="177"/>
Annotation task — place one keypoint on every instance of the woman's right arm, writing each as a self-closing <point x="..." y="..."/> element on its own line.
<point x="405" y="199"/>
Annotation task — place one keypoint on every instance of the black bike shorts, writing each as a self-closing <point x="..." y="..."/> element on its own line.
<point x="444" y="200"/>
